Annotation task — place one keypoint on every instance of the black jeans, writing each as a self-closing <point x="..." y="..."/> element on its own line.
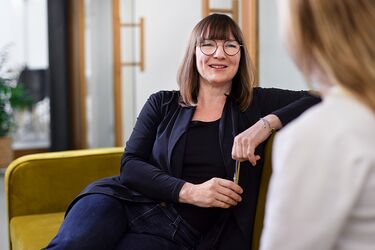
<point x="98" y="221"/>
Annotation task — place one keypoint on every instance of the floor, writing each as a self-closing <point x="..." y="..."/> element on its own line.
<point x="3" y="224"/>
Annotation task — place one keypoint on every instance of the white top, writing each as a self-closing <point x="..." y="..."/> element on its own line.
<point x="322" y="191"/>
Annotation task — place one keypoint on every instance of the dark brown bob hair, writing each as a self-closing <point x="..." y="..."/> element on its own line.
<point x="220" y="27"/>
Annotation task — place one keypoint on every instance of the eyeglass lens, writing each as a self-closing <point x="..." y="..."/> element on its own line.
<point x="209" y="47"/>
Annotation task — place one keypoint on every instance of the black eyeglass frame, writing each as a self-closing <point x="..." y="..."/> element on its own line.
<point x="217" y="46"/>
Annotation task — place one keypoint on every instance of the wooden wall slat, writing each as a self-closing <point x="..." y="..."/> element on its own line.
<point x="117" y="89"/>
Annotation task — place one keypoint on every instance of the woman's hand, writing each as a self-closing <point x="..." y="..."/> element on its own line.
<point x="215" y="192"/>
<point x="245" y="143"/>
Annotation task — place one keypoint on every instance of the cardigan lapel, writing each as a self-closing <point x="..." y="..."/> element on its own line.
<point x="176" y="150"/>
<point x="228" y="129"/>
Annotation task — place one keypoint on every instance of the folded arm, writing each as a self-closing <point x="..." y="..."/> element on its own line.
<point x="277" y="108"/>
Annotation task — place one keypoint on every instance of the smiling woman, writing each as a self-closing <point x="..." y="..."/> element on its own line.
<point x="176" y="187"/>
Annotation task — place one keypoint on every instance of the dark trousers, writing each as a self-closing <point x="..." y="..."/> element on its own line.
<point x="99" y="221"/>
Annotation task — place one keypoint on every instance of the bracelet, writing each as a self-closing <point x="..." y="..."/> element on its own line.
<point x="266" y="124"/>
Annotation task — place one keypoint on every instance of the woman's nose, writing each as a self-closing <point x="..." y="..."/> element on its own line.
<point x="219" y="51"/>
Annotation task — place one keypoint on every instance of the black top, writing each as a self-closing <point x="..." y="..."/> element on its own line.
<point x="202" y="161"/>
<point x="151" y="166"/>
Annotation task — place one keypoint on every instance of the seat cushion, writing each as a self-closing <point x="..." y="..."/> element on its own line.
<point x="34" y="231"/>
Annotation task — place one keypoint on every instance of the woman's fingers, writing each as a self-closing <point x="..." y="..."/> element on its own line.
<point x="228" y="193"/>
<point x="244" y="150"/>
<point x="228" y="196"/>
<point x="225" y="201"/>
<point x="216" y="192"/>
<point x="246" y="142"/>
<point x="230" y="185"/>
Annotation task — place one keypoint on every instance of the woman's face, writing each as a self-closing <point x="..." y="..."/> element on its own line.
<point x="219" y="68"/>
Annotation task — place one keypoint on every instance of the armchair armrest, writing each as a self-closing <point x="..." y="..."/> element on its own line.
<point x="48" y="182"/>
<point x="263" y="190"/>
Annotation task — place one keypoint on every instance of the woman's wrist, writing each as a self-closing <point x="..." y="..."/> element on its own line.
<point x="271" y="122"/>
<point x="267" y="125"/>
<point x="185" y="193"/>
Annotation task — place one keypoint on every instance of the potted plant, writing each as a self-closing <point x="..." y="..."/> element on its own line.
<point x="12" y="97"/>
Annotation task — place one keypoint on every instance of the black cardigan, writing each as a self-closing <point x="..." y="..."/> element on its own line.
<point x="152" y="162"/>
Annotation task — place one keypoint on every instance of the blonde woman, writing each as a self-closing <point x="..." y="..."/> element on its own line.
<point x="322" y="192"/>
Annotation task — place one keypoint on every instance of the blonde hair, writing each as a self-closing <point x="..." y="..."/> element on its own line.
<point x="337" y="38"/>
<point x="215" y="26"/>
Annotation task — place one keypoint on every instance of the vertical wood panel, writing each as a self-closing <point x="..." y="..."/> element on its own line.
<point x="235" y="11"/>
<point x="142" y="45"/>
<point x="77" y="72"/>
<point x="205" y="8"/>
<point x="117" y="90"/>
<point x="250" y="31"/>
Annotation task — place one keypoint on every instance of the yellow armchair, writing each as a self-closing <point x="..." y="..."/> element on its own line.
<point x="40" y="187"/>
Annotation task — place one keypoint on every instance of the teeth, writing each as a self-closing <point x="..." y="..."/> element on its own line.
<point x="218" y="66"/>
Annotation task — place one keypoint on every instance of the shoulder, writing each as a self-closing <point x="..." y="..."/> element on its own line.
<point x="276" y="96"/>
<point x="163" y="102"/>
<point x="260" y="91"/>
<point x="333" y="117"/>
<point x="336" y="128"/>
<point x="304" y="132"/>
<point x="165" y="96"/>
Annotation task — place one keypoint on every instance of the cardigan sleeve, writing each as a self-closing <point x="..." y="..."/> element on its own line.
<point x="137" y="172"/>
<point x="285" y="104"/>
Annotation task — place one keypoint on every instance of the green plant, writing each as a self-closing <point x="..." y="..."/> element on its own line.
<point x="12" y="97"/>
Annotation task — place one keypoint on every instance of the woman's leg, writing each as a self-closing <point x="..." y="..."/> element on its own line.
<point x="142" y="241"/>
<point x="157" y="227"/>
<point x="96" y="221"/>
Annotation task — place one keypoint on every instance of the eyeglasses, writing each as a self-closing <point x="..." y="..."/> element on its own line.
<point x="209" y="47"/>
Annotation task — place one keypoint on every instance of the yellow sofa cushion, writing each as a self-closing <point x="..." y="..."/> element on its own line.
<point x="34" y="231"/>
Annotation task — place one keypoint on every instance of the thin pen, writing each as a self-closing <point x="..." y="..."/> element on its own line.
<point x="236" y="176"/>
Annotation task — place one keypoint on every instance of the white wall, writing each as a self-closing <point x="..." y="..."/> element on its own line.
<point x="276" y="67"/>
<point x="23" y="26"/>
<point x="168" y="24"/>
<point x="128" y="37"/>
<point x="99" y="73"/>
<point x="36" y="34"/>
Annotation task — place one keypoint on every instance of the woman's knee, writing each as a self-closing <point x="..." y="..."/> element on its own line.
<point x="66" y="242"/>
<point x="94" y="221"/>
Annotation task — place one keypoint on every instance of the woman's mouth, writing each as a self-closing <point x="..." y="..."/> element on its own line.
<point x="218" y="66"/>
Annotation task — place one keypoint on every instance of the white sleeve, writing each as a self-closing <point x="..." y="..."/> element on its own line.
<point x="312" y="190"/>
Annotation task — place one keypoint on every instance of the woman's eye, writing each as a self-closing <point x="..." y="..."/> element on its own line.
<point x="208" y="43"/>
<point x="231" y="45"/>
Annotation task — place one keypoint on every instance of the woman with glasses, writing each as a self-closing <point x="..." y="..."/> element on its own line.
<point x="176" y="188"/>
